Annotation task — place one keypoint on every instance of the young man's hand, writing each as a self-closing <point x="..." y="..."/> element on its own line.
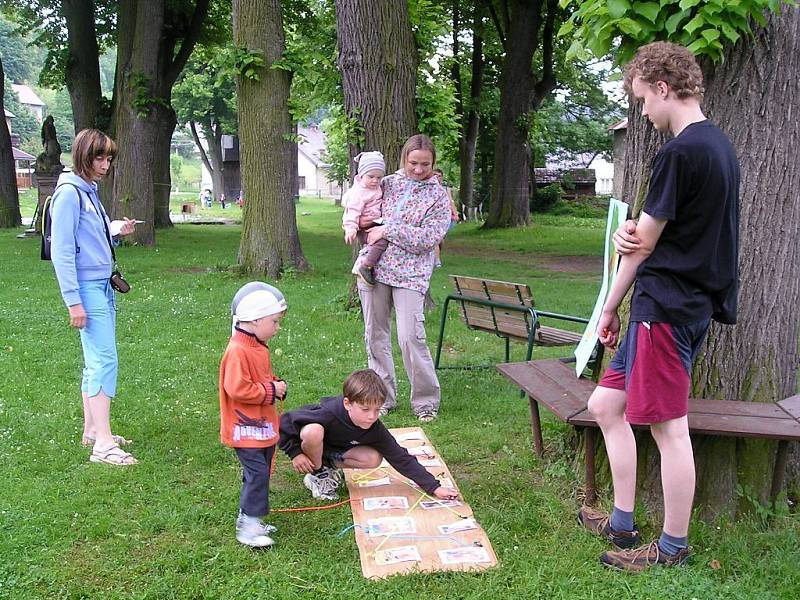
<point x="624" y="238"/>
<point x="446" y="493"/>
<point x="608" y="328"/>
<point x="302" y="464"/>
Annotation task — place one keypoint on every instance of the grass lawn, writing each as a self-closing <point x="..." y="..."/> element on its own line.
<point x="164" y="528"/>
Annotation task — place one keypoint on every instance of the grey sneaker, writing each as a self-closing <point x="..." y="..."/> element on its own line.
<point x="253" y="532"/>
<point x="385" y="410"/>
<point x="323" y="485"/>
<point x="426" y="416"/>
<point x="599" y="522"/>
<point x="367" y="274"/>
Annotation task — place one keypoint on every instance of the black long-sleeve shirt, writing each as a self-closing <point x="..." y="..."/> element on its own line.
<point x="341" y="434"/>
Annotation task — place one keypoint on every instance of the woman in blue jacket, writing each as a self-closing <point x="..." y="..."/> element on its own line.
<point x="81" y="242"/>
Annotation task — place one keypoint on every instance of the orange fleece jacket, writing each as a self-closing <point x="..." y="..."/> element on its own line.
<point x="248" y="418"/>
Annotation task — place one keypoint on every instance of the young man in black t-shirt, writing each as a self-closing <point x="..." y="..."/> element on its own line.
<point x="683" y="261"/>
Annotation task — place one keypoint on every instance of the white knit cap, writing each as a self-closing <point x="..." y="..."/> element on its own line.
<point x="369" y="161"/>
<point x="255" y="300"/>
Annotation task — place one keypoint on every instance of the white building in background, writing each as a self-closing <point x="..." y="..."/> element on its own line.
<point x="30" y="100"/>
<point x="603" y="171"/>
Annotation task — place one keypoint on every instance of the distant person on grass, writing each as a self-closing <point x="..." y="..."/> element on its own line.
<point x="362" y="212"/>
<point x="682" y="257"/>
<point x="346" y="432"/>
<point x="416" y="215"/>
<point x="248" y="392"/>
<point x="81" y="254"/>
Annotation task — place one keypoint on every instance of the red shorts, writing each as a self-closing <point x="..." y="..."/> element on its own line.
<point x="654" y="364"/>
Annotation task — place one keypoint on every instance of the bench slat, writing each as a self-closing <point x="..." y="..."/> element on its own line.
<point x="791" y="406"/>
<point x="546" y="390"/>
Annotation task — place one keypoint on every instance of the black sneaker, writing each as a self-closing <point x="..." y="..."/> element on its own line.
<point x="599" y="522"/>
<point x="367" y="274"/>
<point x="636" y="560"/>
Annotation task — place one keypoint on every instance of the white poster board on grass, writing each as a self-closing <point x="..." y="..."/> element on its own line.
<point x="617" y="213"/>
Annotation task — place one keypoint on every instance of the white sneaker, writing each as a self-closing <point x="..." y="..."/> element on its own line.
<point x="253" y="532"/>
<point x="322" y="485"/>
<point x="426" y="416"/>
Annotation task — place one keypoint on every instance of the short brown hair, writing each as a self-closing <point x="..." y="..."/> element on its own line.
<point x="365" y="387"/>
<point x="417" y="142"/>
<point x="664" y="61"/>
<point x="88" y="145"/>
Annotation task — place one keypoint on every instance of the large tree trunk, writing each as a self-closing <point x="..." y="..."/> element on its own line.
<point x="82" y="74"/>
<point x="148" y="65"/>
<point x="270" y="243"/>
<point x="9" y="196"/>
<point x="757" y="359"/>
<point x="378" y="61"/>
<point x="520" y="93"/>
<point x="468" y="111"/>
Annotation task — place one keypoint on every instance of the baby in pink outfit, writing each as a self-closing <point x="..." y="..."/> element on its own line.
<point x="362" y="211"/>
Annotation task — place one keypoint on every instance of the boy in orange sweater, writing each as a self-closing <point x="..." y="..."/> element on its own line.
<point x="248" y="390"/>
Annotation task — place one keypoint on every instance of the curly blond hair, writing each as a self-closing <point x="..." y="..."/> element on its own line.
<point x="664" y="61"/>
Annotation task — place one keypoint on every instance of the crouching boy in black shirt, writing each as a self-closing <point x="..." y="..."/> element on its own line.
<point x="345" y="432"/>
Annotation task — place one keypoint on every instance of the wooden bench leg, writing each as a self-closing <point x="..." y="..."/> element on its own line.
<point x="536" y="427"/>
<point x="590" y="444"/>
<point x="779" y="471"/>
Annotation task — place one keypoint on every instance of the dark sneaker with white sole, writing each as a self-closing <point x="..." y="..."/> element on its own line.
<point x="599" y="522"/>
<point x="639" y="559"/>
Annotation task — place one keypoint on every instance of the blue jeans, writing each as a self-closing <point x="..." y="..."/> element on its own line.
<point x="98" y="338"/>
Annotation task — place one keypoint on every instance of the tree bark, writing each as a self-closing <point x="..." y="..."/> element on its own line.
<point x="83" y="65"/>
<point x="9" y="196"/>
<point x="213" y="158"/>
<point x="143" y="120"/>
<point x="468" y="111"/>
<point x="757" y="359"/>
<point x="520" y="93"/>
<point x="270" y="243"/>
<point x="378" y="62"/>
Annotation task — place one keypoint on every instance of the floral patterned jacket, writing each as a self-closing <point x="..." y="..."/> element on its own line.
<point x="416" y="217"/>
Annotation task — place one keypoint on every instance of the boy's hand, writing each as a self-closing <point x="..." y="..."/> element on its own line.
<point x="608" y="328"/>
<point x="446" y="493"/>
<point x="280" y="388"/>
<point x="302" y="464"/>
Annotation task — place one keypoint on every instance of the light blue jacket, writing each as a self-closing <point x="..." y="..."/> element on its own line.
<point x="79" y="246"/>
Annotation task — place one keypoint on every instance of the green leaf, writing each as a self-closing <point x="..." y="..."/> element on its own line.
<point x="671" y="26"/>
<point x="629" y="26"/>
<point x="600" y="45"/>
<point x="710" y="34"/>
<point x="649" y="10"/>
<point x="759" y="18"/>
<point x="566" y="28"/>
<point x="696" y="46"/>
<point x="564" y="3"/>
<point x="687" y="4"/>
<point x="730" y="33"/>
<point x="617" y="8"/>
<point x="695" y="23"/>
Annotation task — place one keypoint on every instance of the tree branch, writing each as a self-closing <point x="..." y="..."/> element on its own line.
<point x="548" y="81"/>
<point x="497" y="25"/>
<point x="189" y="41"/>
<point x="203" y="156"/>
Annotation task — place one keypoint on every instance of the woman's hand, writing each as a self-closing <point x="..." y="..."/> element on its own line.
<point x="375" y="234"/>
<point x="77" y="316"/>
<point x="129" y="227"/>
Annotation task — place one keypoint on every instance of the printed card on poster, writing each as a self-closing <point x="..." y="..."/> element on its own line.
<point x="411" y="435"/>
<point x="390" y="556"/>
<point x="430" y="462"/>
<point x="391" y="526"/>
<point x="462" y="525"/>
<point x="386" y="503"/>
<point x="367" y="483"/>
<point x="421" y="451"/>
<point x="617" y="213"/>
<point x="429" y="504"/>
<point x="468" y="554"/>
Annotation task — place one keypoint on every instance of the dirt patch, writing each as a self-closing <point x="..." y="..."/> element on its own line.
<point x="549" y="262"/>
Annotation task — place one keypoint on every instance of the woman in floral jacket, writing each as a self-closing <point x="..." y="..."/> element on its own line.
<point x="416" y="215"/>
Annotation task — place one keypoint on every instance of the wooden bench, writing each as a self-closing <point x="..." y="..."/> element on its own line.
<point x="553" y="384"/>
<point x="507" y="310"/>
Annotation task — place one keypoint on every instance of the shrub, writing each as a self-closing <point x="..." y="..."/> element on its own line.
<point x="545" y="198"/>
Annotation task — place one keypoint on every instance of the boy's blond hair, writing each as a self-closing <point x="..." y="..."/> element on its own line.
<point x="664" y="61"/>
<point x="365" y="387"/>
